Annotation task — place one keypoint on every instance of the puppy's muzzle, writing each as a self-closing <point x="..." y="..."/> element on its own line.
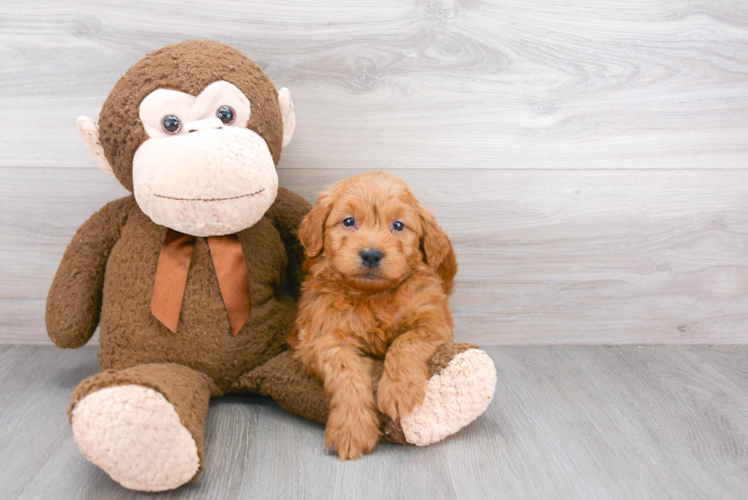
<point x="371" y="257"/>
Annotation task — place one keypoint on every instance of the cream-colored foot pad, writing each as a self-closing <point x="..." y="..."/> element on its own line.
<point x="134" y="434"/>
<point x="455" y="397"/>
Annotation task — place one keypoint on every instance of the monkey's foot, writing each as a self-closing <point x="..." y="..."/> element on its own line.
<point x="462" y="384"/>
<point x="135" y="435"/>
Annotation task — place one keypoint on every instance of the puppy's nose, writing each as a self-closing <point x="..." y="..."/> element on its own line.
<point x="371" y="257"/>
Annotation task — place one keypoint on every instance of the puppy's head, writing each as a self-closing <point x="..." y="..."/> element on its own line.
<point x="373" y="231"/>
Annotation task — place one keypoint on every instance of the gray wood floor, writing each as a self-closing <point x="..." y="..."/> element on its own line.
<point x="566" y="422"/>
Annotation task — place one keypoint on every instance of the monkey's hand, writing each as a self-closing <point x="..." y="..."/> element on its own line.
<point x="74" y="300"/>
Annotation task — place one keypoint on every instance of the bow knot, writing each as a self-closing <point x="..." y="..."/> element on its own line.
<point x="174" y="265"/>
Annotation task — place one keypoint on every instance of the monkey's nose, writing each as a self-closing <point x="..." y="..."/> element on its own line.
<point x="206" y="124"/>
<point x="371" y="257"/>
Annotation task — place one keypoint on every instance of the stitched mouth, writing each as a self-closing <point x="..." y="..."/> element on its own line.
<point x="210" y="199"/>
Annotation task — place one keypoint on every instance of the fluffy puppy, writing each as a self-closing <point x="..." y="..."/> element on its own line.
<point x="380" y="270"/>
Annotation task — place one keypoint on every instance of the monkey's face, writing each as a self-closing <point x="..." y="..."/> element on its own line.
<point x="202" y="171"/>
<point x="195" y="131"/>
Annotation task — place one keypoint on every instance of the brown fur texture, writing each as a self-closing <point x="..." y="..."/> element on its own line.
<point x="187" y="390"/>
<point x="443" y="356"/>
<point x="288" y="382"/>
<point x="107" y="274"/>
<point x="352" y="315"/>
<point x="131" y="335"/>
<point x="183" y="67"/>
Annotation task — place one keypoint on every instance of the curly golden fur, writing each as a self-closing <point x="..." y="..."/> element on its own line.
<point x="355" y="312"/>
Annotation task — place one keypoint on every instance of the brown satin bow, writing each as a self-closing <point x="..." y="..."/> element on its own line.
<point x="171" y="277"/>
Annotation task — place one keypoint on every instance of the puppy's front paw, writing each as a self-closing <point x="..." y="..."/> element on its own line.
<point x="352" y="439"/>
<point x="397" y="398"/>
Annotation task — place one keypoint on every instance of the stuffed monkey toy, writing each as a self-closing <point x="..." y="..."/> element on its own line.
<point x="194" y="277"/>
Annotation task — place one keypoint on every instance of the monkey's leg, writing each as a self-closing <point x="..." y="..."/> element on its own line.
<point x="462" y="381"/>
<point x="461" y="385"/>
<point x="143" y="425"/>
<point x="284" y="379"/>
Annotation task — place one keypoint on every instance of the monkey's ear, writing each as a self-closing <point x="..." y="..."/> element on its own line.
<point x="312" y="228"/>
<point x="287" y="114"/>
<point x="89" y="131"/>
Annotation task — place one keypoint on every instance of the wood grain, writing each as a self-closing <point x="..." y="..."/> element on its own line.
<point x="589" y="159"/>
<point x="546" y="257"/>
<point x="421" y="84"/>
<point x="566" y="422"/>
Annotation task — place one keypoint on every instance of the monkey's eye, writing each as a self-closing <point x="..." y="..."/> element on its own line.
<point x="349" y="222"/>
<point x="226" y="114"/>
<point x="171" y="124"/>
<point x="398" y="226"/>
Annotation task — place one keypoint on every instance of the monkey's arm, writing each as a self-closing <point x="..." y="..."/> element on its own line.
<point x="288" y="210"/>
<point x="74" y="300"/>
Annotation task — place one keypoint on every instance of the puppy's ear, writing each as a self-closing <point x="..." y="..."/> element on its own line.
<point x="435" y="243"/>
<point x="312" y="228"/>
<point x="437" y="248"/>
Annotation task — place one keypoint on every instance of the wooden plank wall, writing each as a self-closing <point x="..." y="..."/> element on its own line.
<point x="589" y="159"/>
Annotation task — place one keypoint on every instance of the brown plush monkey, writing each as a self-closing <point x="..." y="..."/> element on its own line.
<point x="194" y="278"/>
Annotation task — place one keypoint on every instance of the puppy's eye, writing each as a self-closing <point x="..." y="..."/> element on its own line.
<point x="226" y="114"/>
<point x="398" y="226"/>
<point x="349" y="222"/>
<point x="171" y="124"/>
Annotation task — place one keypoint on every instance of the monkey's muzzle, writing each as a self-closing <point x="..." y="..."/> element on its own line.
<point x="216" y="182"/>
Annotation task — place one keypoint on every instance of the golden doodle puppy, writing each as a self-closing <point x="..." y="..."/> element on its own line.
<point x="380" y="271"/>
